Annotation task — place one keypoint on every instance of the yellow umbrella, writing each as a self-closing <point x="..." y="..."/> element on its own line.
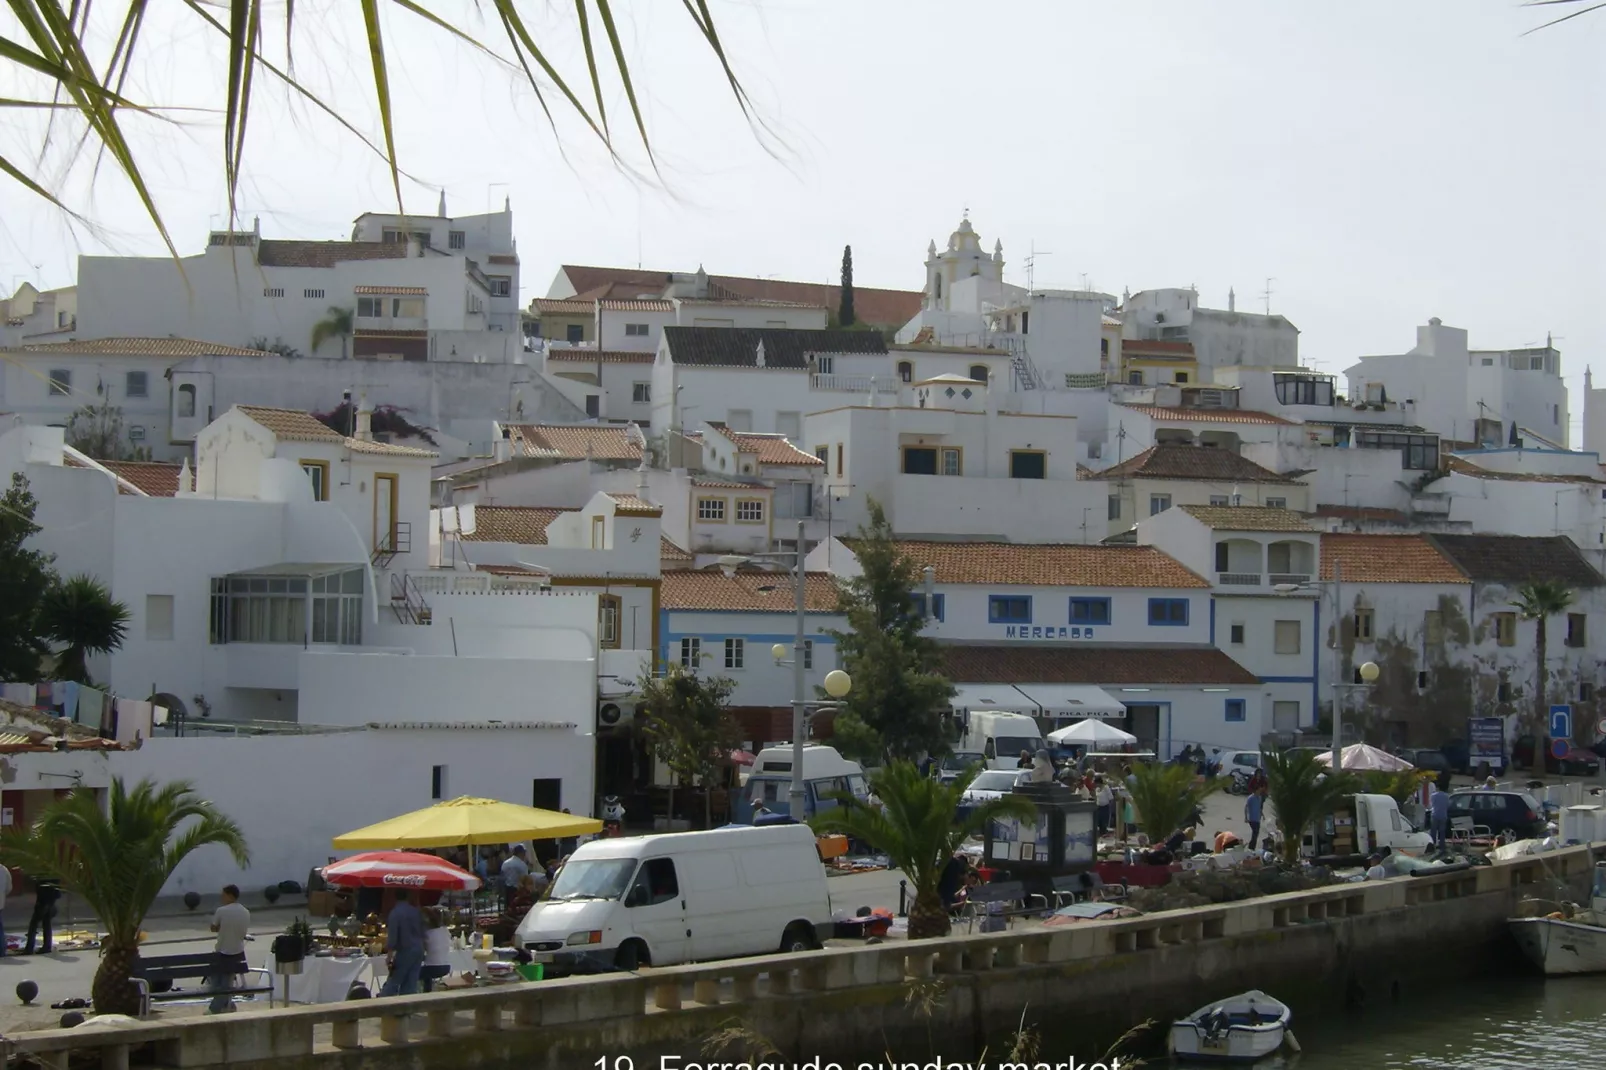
<point x="466" y="821"/>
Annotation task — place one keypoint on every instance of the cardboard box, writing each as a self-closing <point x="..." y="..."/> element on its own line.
<point x="320" y="904"/>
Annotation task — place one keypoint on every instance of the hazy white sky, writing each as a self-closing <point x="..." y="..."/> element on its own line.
<point x="1385" y="162"/>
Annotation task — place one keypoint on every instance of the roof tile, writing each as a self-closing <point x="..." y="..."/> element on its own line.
<point x="1518" y="559"/>
<point x="1193" y="462"/>
<point x="1467" y="468"/>
<point x="292" y="425"/>
<point x="410" y="290"/>
<point x="885" y="308"/>
<point x="1208" y="416"/>
<point x="523" y="524"/>
<point x="737" y="347"/>
<point x="634" y="504"/>
<point x="1050" y="565"/>
<point x="617" y="305"/>
<point x="1090" y="664"/>
<point x="575" y="442"/>
<point x="562" y="306"/>
<point x="1387" y="559"/>
<point x="140" y="347"/>
<point x="599" y="356"/>
<point x="769" y="449"/>
<point x="157" y="480"/>
<point x="324" y="254"/>
<point x="747" y="591"/>
<point x="1248" y="518"/>
<point x="1167" y="348"/>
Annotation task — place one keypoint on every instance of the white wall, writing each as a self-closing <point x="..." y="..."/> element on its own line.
<point x="1135" y="496"/>
<point x="693" y="313"/>
<point x="93" y="380"/>
<point x="965" y="615"/>
<point x="760" y="681"/>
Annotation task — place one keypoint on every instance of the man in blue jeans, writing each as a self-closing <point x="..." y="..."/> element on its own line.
<point x="231" y="921"/>
<point x="1439" y="808"/>
<point x="404" y="944"/>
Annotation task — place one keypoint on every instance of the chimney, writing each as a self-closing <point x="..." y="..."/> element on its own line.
<point x="502" y="447"/>
<point x="365" y="421"/>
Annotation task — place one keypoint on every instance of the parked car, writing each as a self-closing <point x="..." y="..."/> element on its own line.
<point x="1431" y="761"/>
<point x="991" y="784"/>
<point x="1576" y="762"/>
<point x="949" y="768"/>
<point x="1516" y="812"/>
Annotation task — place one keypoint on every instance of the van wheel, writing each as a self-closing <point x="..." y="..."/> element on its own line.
<point x="629" y="956"/>
<point x="799" y="936"/>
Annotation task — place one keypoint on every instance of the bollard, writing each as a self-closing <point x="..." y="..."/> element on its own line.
<point x="903" y="898"/>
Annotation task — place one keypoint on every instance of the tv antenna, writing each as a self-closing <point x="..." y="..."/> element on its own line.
<point x="1031" y="266"/>
<point x="1266" y="295"/>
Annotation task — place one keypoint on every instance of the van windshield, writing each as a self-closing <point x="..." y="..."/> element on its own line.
<point x="593" y="878"/>
<point x="1011" y="746"/>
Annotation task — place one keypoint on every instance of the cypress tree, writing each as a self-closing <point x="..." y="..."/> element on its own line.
<point x="844" y="317"/>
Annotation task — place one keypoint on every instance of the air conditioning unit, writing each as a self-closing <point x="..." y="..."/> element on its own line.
<point x="1210" y="399"/>
<point x="616" y="714"/>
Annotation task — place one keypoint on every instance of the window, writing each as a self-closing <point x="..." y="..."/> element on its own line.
<point x="691" y="653"/>
<point x="386" y="511"/>
<point x="823" y="365"/>
<point x="1505" y="629"/>
<point x="158" y="616"/>
<point x="978" y="372"/>
<point x="735" y="653"/>
<point x="1433" y="627"/>
<point x="655" y="884"/>
<point x="1586" y="692"/>
<point x="1168" y="612"/>
<point x="1555" y="414"/>
<point x="1537" y="364"/>
<point x="1488" y="362"/>
<point x="437" y="782"/>
<point x="1235" y="634"/>
<point x="1181" y="377"/>
<point x="839" y="459"/>
<point x="1418" y="452"/>
<point x="186" y="400"/>
<point x="1009" y="609"/>
<point x="1363" y="624"/>
<point x="1285" y="637"/>
<point x="608" y="606"/>
<point x="739" y="419"/>
<point x="576" y="332"/>
<point x="1285" y="716"/>
<point x="1575" y="629"/>
<point x="1422" y="680"/>
<point x="1113" y="509"/>
<point x="635" y="330"/>
<point x="593" y="405"/>
<point x="1502" y="693"/>
<point x="953" y="463"/>
<point x="1223" y="558"/>
<point x="136" y="385"/>
<point x="750" y="510"/>
<point x="1159" y="503"/>
<point x="599" y="533"/>
<point x="808" y="654"/>
<point x="1090" y="611"/>
<point x="938" y="601"/>
<point x="274" y="609"/>
<point x="824" y="454"/>
<point x="1134" y="378"/>
<point x="1303" y="390"/>
<point x="640" y="393"/>
<point x="1219" y="499"/>
<point x="794" y="501"/>
<point x="501" y="285"/>
<point x="1028" y="464"/>
<point x="920" y="460"/>
<point x="273" y="291"/>
<point x="60" y="382"/>
<point x="1276" y="503"/>
<point x="313" y="295"/>
<point x="318" y="472"/>
<point x="906" y="371"/>
<point x="1236" y="710"/>
<point x="456" y="239"/>
<point x="407" y="307"/>
<point x="370" y="307"/>
<point x="136" y="433"/>
<point x="711" y="510"/>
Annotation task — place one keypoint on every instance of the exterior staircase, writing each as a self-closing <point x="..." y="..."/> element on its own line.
<point x="407" y="601"/>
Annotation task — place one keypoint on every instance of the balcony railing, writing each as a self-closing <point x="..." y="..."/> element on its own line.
<point x="442" y="583"/>
<point x="853" y="384"/>
<point x="1239" y="579"/>
<point x="1289" y="577"/>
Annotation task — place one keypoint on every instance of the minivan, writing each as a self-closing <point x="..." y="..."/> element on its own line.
<point x="625" y="902"/>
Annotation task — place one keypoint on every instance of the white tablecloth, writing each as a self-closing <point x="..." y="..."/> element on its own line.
<point x="460" y="960"/>
<point x="327" y="979"/>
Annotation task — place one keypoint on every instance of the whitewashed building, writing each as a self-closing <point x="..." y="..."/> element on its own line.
<point x="1163" y="477"/>
<point x="1219" y="338"/>
<point x="32" y="316"/>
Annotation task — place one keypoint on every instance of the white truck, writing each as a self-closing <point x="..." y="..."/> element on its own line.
<point x="1000" y="737"/>
<point x="1364" y="825"/>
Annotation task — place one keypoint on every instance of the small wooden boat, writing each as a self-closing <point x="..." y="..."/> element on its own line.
<point x="1239" y="1029"/>
<point x="1567" y="941"/>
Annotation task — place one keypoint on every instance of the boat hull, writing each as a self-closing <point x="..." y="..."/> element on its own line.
<point x="1560" y="948"/>
<point x="1241" y="1030"/>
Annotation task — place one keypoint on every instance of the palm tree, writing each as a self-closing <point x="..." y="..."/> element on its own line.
<point x="1165" y="796"/>
<point x="916" y="826"/>
<point x="116" y="859"/>
<point x="1302" y="789"/>
<point x="81" y="613"/>
<point x="1538" y="602"/>
<point x="337" y="324"/>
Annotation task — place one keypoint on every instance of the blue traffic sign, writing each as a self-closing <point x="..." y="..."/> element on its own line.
<point x="1561" y="722"/>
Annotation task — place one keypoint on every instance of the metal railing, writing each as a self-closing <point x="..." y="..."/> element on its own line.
<point x="407" y="601"/>
<point x="399" y="541"/>
<point x="853" y="384"/>
<point x="1239" y="579"/>
<point x="447" y="583"/>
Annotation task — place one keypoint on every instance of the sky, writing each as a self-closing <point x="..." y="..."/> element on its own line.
<point x="1381" y="162"/>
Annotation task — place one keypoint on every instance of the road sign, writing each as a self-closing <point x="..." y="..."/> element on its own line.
<point x="1561" y="722"/>
<point x="1601" y="727"/>
<point x="1560" y="747"/>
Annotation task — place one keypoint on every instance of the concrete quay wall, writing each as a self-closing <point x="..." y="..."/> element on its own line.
<point x="953" y="997"/>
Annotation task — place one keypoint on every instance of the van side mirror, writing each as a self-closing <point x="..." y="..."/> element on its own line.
<point x="636" y="897"/>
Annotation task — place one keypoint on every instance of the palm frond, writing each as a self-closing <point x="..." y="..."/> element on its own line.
<point x="1589" y="7"/>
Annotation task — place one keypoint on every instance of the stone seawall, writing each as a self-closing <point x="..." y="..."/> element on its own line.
<point x="1080" y="986"/>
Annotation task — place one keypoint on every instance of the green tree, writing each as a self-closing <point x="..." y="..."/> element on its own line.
<point x="690" y="727"/>
<point x="854" y="739"/>
<point x="1165" y="796"/>
<point x="1302" y="790"/>
<point x="1538" y="602"/>
<point x="81" y="614"/>
<point x="97" y="431"/>
<point x="26" y="577"/>
<point x="116" y="859"/>
<point x="916" y="826"/>
<point x="845" y="316"/>
<point x="278" y="347"/>
<point x="898" y="690"/>
<point x="337" y="324"/>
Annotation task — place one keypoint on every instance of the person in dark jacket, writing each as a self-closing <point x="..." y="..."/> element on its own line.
<point x="46" y="893"/>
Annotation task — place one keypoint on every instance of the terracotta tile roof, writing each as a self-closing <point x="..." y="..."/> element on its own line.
<point x="139" y="347"/>
<point x="737" y="347"/>
<point x="924" y="343"/>
<point x="1208" y="416"/>
<point x="1051" y="565"/>
<point x="1193" y="462"/>
<point x="769" y="449"/>
<point x="725" y="484"/>
<point x="1388" y="559"/>
<point x="1083" y="471"/>
<point x="617" y="305"/>
<point x="563" y="306"/>
<point x="668" y="551"/>
<point x="1140" y="346"/>
<point x="747" y="591"/>
<point x="1248" y="518"/>
<point x="157" y="480"/>
<point x="886" y="308"/>
<point x="413" y="290"/>
<point x="577" y="442"/>
<point x="1467" y="468"/>
<point x="523" y="524"/>
<point x="599" y="356"/>
<point x="1101" y="664"/>
<point x="501" y="258"/>
<point x="361" y="445"/>
<point x="634" y="504"/>
<point x="1518" y="559"/>
<point x="324" y="254"/>
<point x="292" y="425"/>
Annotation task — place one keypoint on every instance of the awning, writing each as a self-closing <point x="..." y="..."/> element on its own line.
<point x="1078" y="701"/>
<point x="1002" y="697"/>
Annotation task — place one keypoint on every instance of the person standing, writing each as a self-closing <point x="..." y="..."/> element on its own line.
<point x="437" y="949"/>
<point x="514" y="870"/>
<point x="231" y="921"/>
<point x="5" y="893"/>
<point x="1254" y="807"/>
<point x="46" y="893"/>
<point x="1104" y="799"/>
<point x="1439" y="806"/>
<point x="404" y="946"/>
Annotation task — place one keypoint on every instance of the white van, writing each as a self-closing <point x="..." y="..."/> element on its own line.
<point x="1000" y="737"/>
<point x="635" y="901"/>
<point x="826" y="777"/>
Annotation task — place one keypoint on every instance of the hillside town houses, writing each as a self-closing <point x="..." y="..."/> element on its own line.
<point x="386" y="523"/>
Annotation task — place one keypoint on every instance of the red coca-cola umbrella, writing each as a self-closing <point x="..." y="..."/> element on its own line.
<point x="399" y="869"/>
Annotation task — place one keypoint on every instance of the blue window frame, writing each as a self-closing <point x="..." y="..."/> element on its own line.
<point x="1009" y="609"/>
<point x="1168" y="612"/>
<point x="1090" y="611"/>
<point x="938" y="602"/>
<point x="1235" y="709"/>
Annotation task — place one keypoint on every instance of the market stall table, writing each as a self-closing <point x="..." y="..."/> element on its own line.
<point x="326" y="978"/>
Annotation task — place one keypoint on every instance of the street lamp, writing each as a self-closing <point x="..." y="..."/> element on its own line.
<point x="1369" y="671"/>
<point x="837" y="683"/>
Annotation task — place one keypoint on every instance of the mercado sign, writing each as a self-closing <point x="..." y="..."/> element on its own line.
<point x="1046" y="631"/>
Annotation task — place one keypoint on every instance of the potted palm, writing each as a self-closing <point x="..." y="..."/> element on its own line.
<point x="292" y="946"/>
